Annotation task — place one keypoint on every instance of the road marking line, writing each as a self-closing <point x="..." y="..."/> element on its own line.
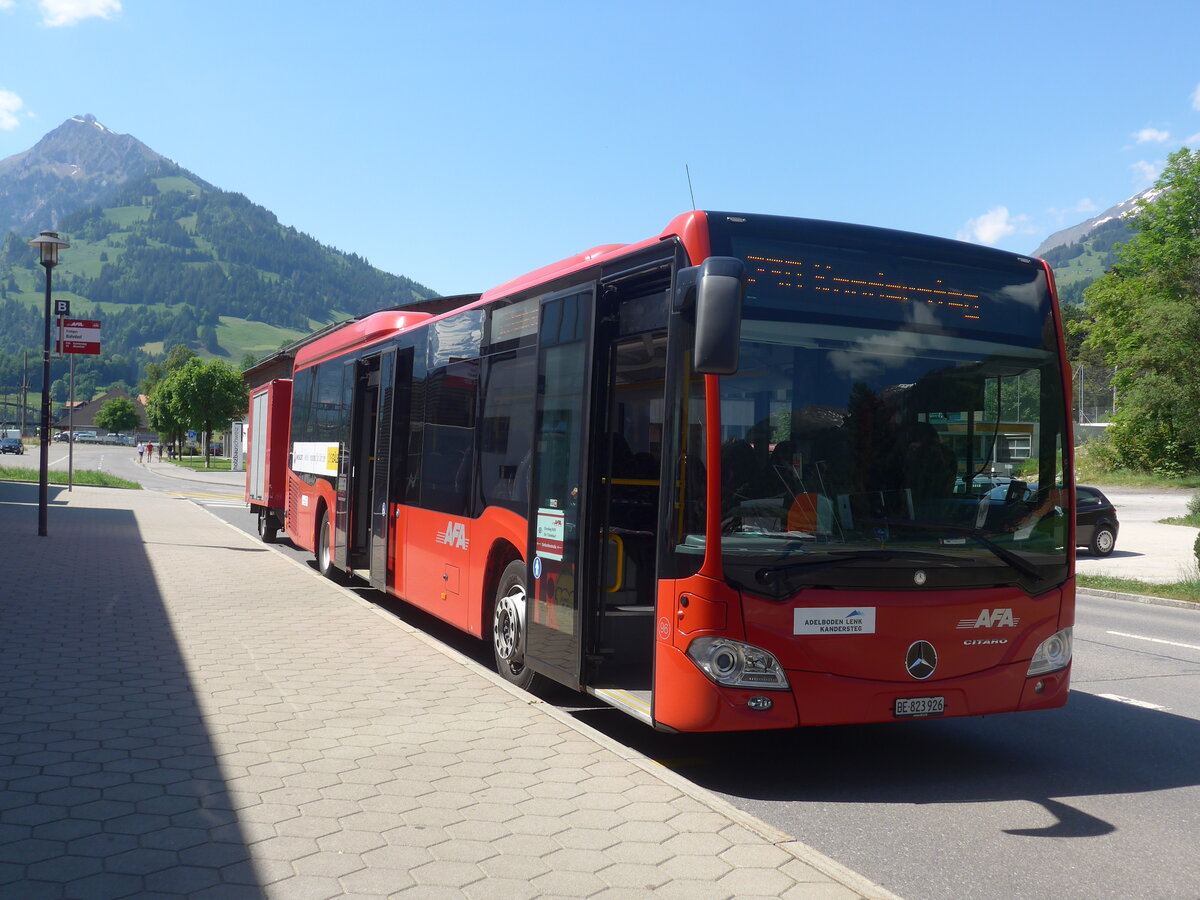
<point x="1138" y="637"/>
<point x="1131" y="702"/>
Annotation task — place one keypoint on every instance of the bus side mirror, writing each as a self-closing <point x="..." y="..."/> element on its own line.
<point x="715" y="288"/>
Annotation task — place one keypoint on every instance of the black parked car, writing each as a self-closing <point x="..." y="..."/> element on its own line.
<point x="11" y="445"/>
<point x="1096" y="522"/>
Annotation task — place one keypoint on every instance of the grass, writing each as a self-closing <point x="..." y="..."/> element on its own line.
<point x="125" y="216"/>
<point x="1192" y="520"/>
<point x="83" y="476"/>
<point x="1129" y="478"/>
<point x="177" y="183"/>
<point x="1188" y="589"/>
<point x="196" y="463"/>
<point x="240" y="336"/>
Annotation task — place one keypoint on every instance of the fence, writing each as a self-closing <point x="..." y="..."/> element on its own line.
<point x="1094" y="397"/>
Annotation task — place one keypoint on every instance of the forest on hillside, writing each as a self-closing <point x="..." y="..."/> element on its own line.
<point x="168" y="256"/>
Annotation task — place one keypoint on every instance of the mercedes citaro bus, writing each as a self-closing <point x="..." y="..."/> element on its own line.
<point x="741" y="475"/>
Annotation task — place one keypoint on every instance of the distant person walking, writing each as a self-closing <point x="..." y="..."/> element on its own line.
<point x="149" y="451"/>
<point x="141" y="450"/>
<point x="160" y="451"/>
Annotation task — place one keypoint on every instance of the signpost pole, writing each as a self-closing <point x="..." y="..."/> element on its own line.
<point x="71" y="426"/>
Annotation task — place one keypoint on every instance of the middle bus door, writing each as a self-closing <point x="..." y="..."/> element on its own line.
<point x="382" y="471"/>
<point x="562" y="562"/>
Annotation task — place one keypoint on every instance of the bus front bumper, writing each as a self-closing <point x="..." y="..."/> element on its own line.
<point x="688" y="701"/>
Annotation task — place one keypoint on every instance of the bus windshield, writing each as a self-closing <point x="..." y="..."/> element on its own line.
<point x="897" y="421"/>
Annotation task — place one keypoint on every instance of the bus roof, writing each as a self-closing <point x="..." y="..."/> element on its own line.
<point x="690" y="227"/>
<point x="358" y="333"/>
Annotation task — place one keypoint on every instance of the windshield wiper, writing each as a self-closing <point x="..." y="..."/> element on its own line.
<point x="775" y="574"/>
<point x="1014" y="560"/>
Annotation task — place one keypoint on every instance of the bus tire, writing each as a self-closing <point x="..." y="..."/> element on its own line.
<point x="325" y="551"/>
<point x="508" y="626"/>
<point x="268" y="528"/>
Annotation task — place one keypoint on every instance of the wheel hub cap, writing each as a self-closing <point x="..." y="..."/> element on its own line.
<point x="506" y="627"/>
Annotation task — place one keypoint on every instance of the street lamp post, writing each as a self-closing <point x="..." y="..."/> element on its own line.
<point x="48" y="244"/>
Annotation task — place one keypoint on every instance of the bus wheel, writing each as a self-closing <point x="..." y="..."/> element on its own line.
<point x="325" y="551"/>
<point x="508" y="626"/>
<point x="268" y="528"/>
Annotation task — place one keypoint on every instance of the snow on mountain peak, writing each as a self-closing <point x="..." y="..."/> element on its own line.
<point x="89" y="119"/>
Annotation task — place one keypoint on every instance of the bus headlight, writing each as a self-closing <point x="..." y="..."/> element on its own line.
<point x="1053" y="654"/>
<point x="734" y="664"/>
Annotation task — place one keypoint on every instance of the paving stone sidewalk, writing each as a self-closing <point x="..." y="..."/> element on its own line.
<point x="184" y="712"/>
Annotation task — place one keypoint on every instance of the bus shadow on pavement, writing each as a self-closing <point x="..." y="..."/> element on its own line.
<point x="1091" y="747"/>
<point x="109" y="782"/>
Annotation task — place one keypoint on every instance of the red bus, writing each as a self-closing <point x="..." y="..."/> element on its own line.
<point x="753" y="472"/>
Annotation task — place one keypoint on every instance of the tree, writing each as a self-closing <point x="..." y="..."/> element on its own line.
<point x="206" y="394"/>
<point x="156" y="371"/>
<point x="161" y="412"/>
<point x="118" y="414"/>
<point x="1146" y="321"/>
<point x="208" y="337"/>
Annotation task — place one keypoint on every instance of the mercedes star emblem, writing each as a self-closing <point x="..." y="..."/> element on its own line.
<point x="921" y="660"/>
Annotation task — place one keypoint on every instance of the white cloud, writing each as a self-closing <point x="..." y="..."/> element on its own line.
<point x="10" y="105"/>
<point x="1152" y="136"/>
<point x="68" y="12"/>
<point x="7" y="5"/>
<point x="1193" y="141"/>
<point x="993" y="226"/>
<point x="1196" y="98"/>
<point x="1146" y="173"/>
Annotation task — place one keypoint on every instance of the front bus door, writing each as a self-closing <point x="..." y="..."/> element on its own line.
<point x="562" y="559"/>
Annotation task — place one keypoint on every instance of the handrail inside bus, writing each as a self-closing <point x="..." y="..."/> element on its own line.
<point x="620" y="580"/>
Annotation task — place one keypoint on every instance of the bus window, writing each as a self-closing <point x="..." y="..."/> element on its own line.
<point x="506" y="430"/>
<point x="449" y="438"/>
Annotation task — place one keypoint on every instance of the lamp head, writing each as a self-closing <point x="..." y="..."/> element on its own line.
<point x="48" y="245"/>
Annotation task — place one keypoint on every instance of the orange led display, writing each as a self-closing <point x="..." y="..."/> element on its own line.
<point x="794" y="274"/>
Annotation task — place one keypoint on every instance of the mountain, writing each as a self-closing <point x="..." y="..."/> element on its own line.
<point x="1082" y="253"/>
<point x="81" y="163"/>
<point x="162" y="257"/>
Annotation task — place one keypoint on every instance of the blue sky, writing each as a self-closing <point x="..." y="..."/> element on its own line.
<point x="463" y="143"/>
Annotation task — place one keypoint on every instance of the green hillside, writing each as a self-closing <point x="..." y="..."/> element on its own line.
<point x="172" y="260"/>
<point x="1078" y="264"/>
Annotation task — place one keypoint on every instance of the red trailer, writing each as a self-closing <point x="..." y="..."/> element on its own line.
<point x="267" y="454"/>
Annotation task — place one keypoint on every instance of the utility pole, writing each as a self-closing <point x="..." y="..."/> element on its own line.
<point x="24" y="391"/>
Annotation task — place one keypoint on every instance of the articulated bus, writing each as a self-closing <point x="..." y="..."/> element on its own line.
<point x="752" y="473"/>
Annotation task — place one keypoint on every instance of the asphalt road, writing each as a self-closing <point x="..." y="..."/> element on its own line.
<point x="1099" y="799"/>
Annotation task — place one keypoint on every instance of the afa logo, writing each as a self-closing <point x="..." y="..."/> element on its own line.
<point x="455" y="535"/>
<point x="991" y="618"/>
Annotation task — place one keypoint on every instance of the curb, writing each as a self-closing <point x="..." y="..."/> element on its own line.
<point x="181" y="473"/>
<point x="1144" y="599"/>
